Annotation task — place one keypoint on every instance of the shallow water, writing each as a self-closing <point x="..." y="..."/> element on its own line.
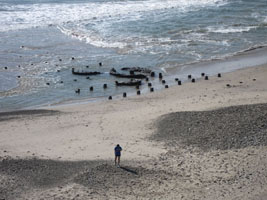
<point x="175" y="37"/>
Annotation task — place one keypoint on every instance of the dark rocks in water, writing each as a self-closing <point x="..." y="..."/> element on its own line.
<point x="78" y="91"/>
<point x="193" y="80"/>
<point x="105" y="86"/>
<point x="166" y="86"/>
<point x="163" y="81"/>
<point x="129" y="83"/>
<point x="137" y="87"/>
<point x="189" y="76"/>
<point x="72" y="58"/>
<point x="5" y="67"/>
<point x="82" y="73"/>
<point x="60" y="59"/>
<point x="152" y="74"/>
<point x="18" y="76"/>
<point x="61" y="81"/>
<point x="91" y="88"/>
<point x="202" y="74"/>
<point x="179" y="82"/>
<point x="176" y="79"/>
<point x="149" y="84"/>
<point x="206" y="78"/>
<point x="137" y="69"/>
<point x="100" y="64"/>
<point x="152" y="89"/>
<point x="113" y="72"/>
<point x="219" y="75"/>
<point x="75" y="80"/>
<point x="124" y="94"/>
<point x="147" y="79"/>
<point x="110" y="98"/>
<point x="160" y="76"/>
<point x="58" y="70"/>
<point x="47" y="83"/>
<point x="138" y="92"/>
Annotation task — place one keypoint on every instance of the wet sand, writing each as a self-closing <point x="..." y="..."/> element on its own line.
<point x="203" y="140"/>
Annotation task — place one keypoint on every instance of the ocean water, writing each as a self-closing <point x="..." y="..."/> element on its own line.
<point x="38" y="39"/>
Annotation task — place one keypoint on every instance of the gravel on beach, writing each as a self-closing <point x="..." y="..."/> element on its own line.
<point x="225" y="128"/>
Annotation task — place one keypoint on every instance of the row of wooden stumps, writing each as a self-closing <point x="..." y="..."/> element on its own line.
<point x="203" y="75"/>
<point x="138" y="92"/>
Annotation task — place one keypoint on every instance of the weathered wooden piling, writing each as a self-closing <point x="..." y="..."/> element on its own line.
<point x="138" y="92"/>
<point x="179" y="82"/>
<point x="219" y="75"/>
<point x="124" y="94"/>
<point x="193" y="80"/>
<point x="206" y="78"/>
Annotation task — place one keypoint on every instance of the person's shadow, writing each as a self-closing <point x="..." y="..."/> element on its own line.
<point x="129" y="170"/>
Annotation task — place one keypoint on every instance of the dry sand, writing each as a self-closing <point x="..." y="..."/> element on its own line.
<point x="193" y="141"/>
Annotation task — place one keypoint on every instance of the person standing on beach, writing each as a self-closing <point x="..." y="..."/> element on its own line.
<point x="117" y="151"/>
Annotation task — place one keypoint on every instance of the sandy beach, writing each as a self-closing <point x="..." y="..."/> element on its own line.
<point x="202" y="140"/>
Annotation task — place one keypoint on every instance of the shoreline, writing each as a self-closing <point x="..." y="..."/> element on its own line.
<point x="241" y="60"/>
